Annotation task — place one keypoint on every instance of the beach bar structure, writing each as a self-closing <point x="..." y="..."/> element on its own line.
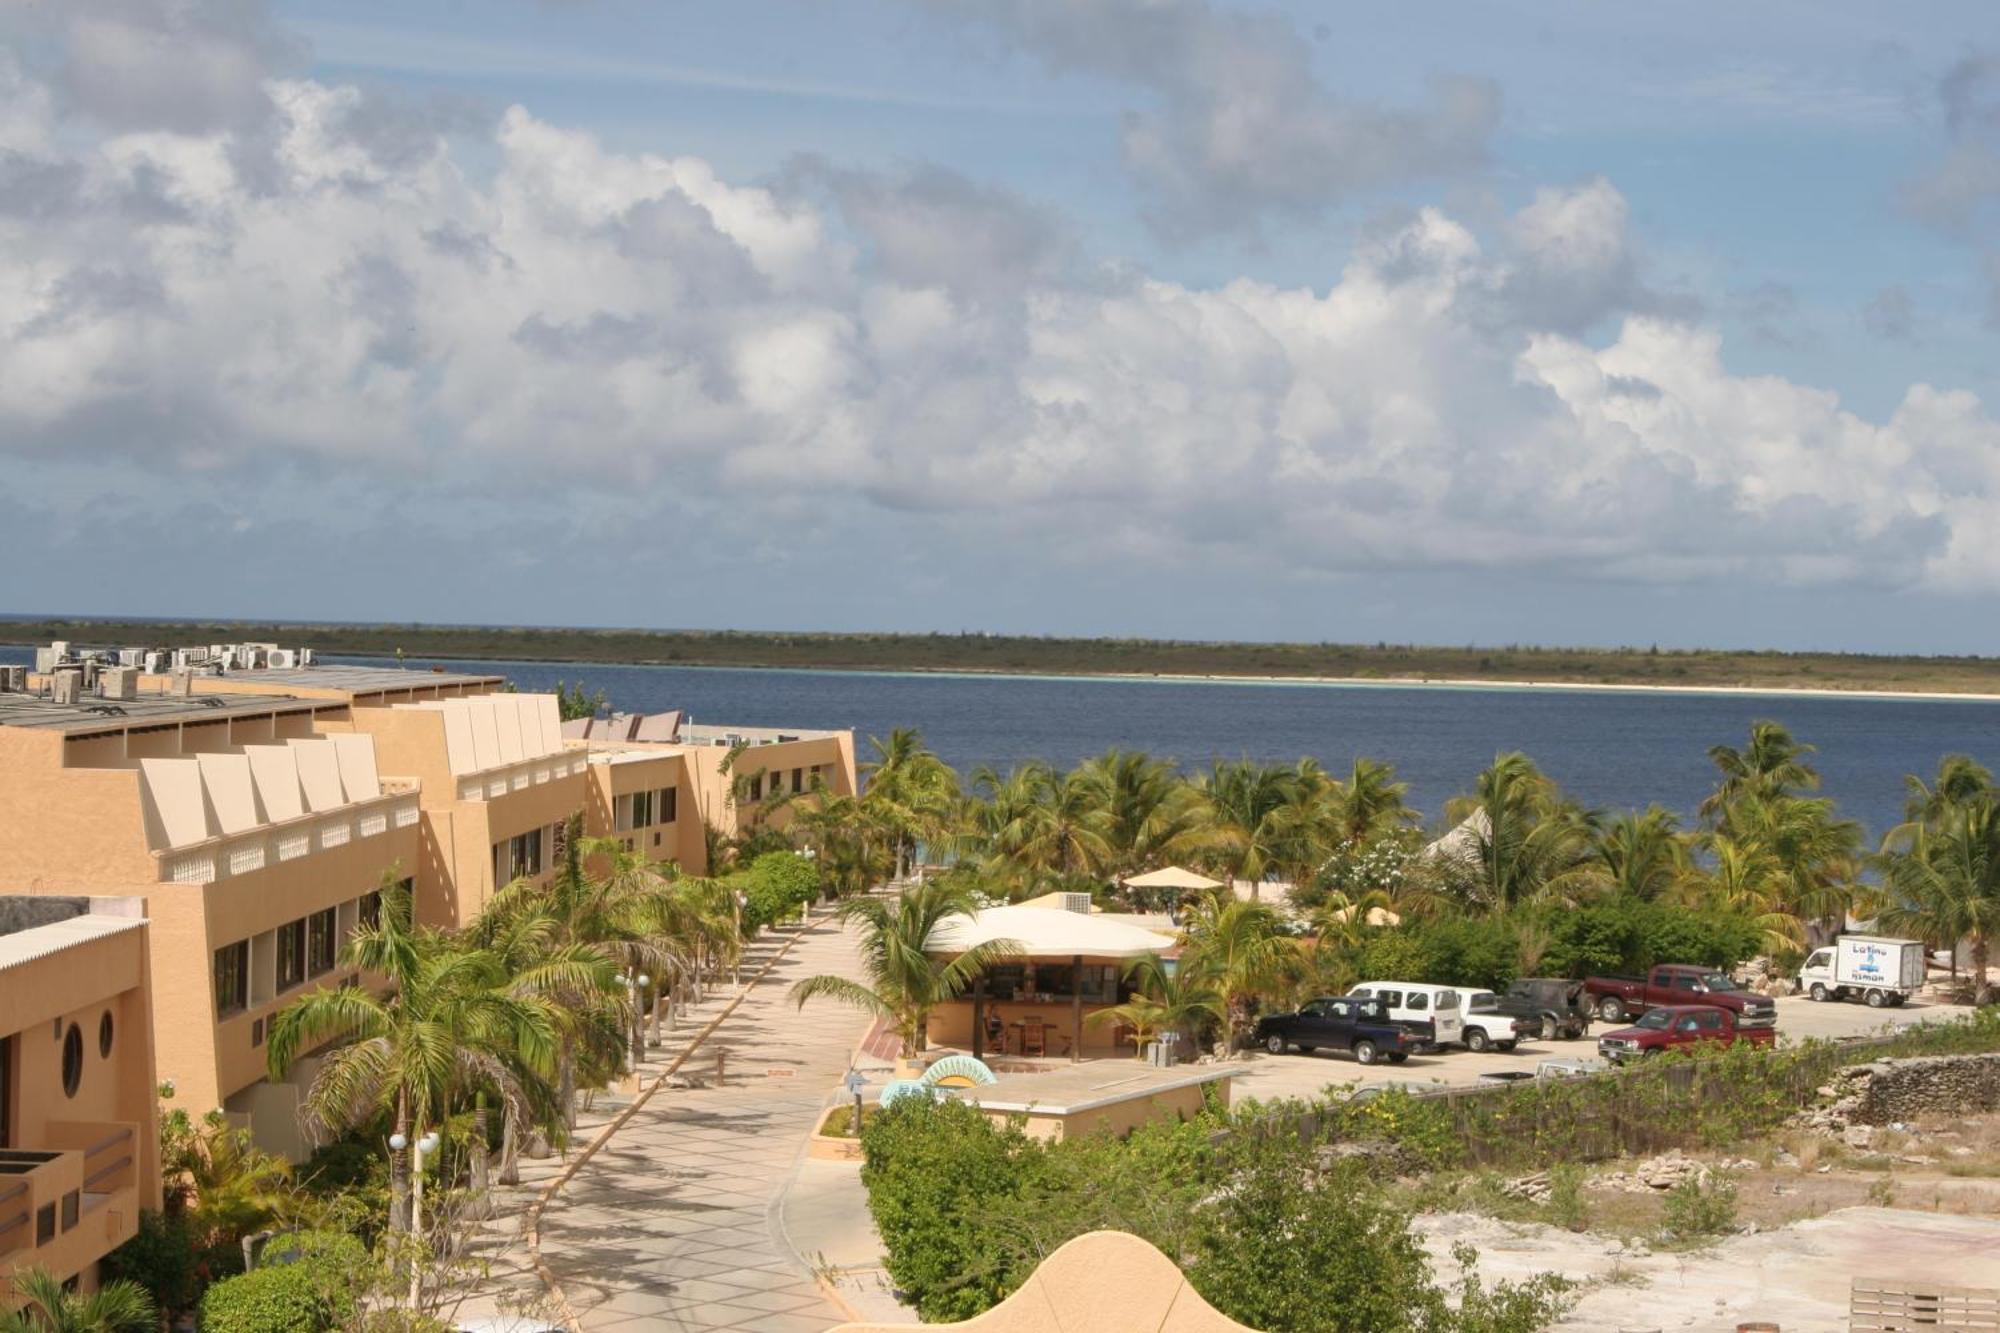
<point x="1066" y="966"/>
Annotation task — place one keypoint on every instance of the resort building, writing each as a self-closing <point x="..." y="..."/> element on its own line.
<point x="79" y="1146"/>
<point x="255" y="829"/>
<point x="657" y="780"/>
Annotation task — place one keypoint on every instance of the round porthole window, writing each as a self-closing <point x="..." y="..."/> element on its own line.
<point x="104" y="1035"/>
<point x="72" y="1060"/>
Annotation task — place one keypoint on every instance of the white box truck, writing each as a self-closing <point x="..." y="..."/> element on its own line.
<point x="1864" y="967"/>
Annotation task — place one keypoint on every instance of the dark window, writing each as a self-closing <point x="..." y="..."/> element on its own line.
<point x="1419" y="1002"/>
<point x="371" y="909"/>
<point x="523" y="855"/>
<point x="321" y="928"/>
<point x="798" y="780"/>
<point x="669" y="805"/>
<point x="71" y="1207"/>
<point x="104" y="1034"/>
<point x="291" y="954"/>
<point x="656" y="840"/>
<point x="1392" y="999"/>
<point x="72" y="1060"/>
<point x="642" y="809"/>
<point x="45" y="1224"/>
<point x="232" y="978"/>
<point x="1685" y="982"/>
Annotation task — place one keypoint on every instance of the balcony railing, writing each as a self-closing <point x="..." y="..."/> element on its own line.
<point x="287" y="840"/>
<point x="495" y="782"/>
<point x="46" y="1192"/>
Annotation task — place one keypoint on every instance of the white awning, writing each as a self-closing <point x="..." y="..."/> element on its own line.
<point x="1041" y="932"/>
<point x="1172" y="877"/>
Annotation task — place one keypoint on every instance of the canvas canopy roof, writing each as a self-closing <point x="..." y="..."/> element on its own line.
<point x="1042" y="932"/>
<point x="1172" y="877"/>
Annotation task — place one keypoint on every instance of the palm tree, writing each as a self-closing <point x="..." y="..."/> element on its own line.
<point x="1745" y="879"/>
<point x="1167" y="1000"/>
<point x="1239" y="949"/>
<point x="1530" y="844"/>
<point x="448" y="1024"/>
<point x="1147" y="811"/>
<point x="1769" y="766"/>
<point x="1816" y="855"/>
<point x="46" y="1307"/>
<point x="1961" y="780"/>
<point x="1370" y="802"/>
<point x="1640" y="855"/>
<point x="848" y="838"/>
<point x="903" y="981"/>
<point x="912" y="792"/>
<point x="1946" y="886"/>
<point x="1242" y="813"/>
<point x="1055" y="825"/>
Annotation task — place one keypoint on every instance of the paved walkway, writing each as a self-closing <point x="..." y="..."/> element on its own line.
<point x="676" y="1224"/>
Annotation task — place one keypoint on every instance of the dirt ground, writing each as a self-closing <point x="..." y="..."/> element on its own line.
<point x="1810" y="1216"/>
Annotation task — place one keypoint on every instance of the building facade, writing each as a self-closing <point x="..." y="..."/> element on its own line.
<point x="79" y="1144"/>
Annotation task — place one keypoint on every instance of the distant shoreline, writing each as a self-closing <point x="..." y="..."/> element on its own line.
<point x="1672" y="671"/>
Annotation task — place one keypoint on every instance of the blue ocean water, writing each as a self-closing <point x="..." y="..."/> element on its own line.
<point x="1610" y="749"/>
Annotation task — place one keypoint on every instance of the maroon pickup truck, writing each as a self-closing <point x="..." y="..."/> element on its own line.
<point x="1617" y="999"/>
<point x="1672" y="1026"/>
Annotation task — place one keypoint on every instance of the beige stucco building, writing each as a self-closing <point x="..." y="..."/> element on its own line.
<point x="79" y="1148"/>
<point x="256" y="815"/>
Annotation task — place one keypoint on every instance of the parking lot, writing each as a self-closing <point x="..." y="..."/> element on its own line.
<point x="1270" y="1077"/>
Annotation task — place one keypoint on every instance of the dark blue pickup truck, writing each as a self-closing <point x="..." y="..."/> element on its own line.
<point x="1360" y="1026"/>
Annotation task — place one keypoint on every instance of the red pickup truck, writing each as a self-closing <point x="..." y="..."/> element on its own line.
<point x="1617" y="999"/>
<point x="1672" y="1026"/>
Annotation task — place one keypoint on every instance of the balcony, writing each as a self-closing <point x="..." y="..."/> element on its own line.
<point x="287" y="840"/>
<point x="67" y="1203"/>
<point x="492" y="783"/>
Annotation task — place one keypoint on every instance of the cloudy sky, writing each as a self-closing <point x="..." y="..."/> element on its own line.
<point x="1507" y="321"/>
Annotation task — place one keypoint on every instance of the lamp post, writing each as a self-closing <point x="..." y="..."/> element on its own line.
<point x="424" y="1146"/>
<point x="854" y="1083"/>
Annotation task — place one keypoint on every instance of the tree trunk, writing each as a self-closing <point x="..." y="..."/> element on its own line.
<point x="482" y="1180"/>
<point x="1982" y="988"/>
<point x="566" y="1090"/>
<point x="399" y="1170"/>
<point x="510" y="1153"/>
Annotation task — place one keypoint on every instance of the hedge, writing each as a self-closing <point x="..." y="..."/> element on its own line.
<point x="305" y="1284"/>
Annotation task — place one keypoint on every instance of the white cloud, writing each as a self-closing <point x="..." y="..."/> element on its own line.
<point x="335" y="291"/>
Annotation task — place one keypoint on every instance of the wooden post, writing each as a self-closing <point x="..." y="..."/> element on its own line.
<point x="1076" y="1006"/>
<point x="979" y="1016"/>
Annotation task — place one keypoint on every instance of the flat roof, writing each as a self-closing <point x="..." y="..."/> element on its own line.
<point x="1088" y="1086"/>
<point x="24" y="946"/>
<point x="91" y="713"/>
<point x="360" y="679"/>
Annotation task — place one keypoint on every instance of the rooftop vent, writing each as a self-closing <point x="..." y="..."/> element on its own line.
<point x="68" y="687"/>
<point x="13" y="679"/>
<point x="1076" y="902"/>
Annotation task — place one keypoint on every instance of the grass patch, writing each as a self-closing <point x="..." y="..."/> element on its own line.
<point x="839" y="1122"/>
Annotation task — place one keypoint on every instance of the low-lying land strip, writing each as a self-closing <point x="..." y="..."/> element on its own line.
<point x="969" y="652"/>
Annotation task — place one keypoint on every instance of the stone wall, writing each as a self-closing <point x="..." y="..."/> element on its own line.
<point x="1892" y="1091"/>
<point x="1929" y="1084"/>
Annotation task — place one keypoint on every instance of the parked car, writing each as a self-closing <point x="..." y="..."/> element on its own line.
<point x="1559" y="1008"/>
<point x="1486" y="1026"/>
<point x="1864" y="967"/>
<point x="1347" y="1024"/>
<point x="1619" y="998"/>
<point x="1672" y="1026"/>
<point x="1415" y="1002"/>
<point x="1570" y="1066"/>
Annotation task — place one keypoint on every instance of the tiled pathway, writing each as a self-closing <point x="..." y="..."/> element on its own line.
<point x="673" y="1225"/>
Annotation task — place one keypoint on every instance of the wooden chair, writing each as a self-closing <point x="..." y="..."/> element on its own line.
<point x="1034" y="1038"/>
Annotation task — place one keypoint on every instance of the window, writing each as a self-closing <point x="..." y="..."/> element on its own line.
<point x="291" y="954"/>
<point x="1419" y="1002"/>
<point x="669" y="805"/>
<point x="1392" y="999"/>
<point x="798" y="781"/>
<point x="642" y="809"/>
<point x="72" y="1070"/>
<point x="320" y="932"/>
<point x="757" y="787"/>
<point x="1685" y="982"/>
<point x="104" y="1035"/>
<point x="370" y="910"/>
<point x="232" y="978"/>
<point x="518" y="857"/>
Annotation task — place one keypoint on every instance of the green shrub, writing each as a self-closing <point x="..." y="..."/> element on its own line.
<point x="934" y="1173"/>
<point x="1632" y="934"/>
<point x="776" y="885"/>
<point x="303" y="1284"/>
<point x="165" y="1259"/>
<point x="1698" y="1207"/>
